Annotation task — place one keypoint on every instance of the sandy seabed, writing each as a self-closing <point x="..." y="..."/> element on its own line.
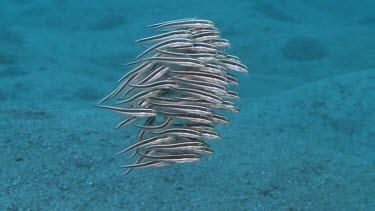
<point x="304" y="139"/>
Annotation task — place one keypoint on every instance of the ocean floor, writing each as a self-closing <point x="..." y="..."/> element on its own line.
<point x="304" y="139"/>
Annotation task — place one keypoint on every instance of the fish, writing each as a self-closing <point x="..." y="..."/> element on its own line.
<point x="138" y="163"/>
<point x="214" y="78"/>
<point x="143" y="66"/>
<point x="228" y="106"/>
<point x="157" y="85"/>
<point x="234" y="65"/>
<point x="150" y="163"/>
<point x="173" y="21"/>
<point x="136" y="112"/>
<point x="119" y="88"/>
<point x="183" y="132"/>
<point x="201" y="94"/>
<point x="148" y="141"/>
<point x="180" y="61"/>
<point x="210" y="134"/>
<point x="141" y="134"/>
<point x="126" y="121"/>
<point x="191" y="109"/>
<point x="208" y="86"/>
<point x="176" y="43"/>
<point x="175" y="93"/>
<point x="205" y="57"/>
<point x="141" y="95"/>
<point x="168" y="35"/>
<point x="156" y="74"/>
<point x="182" y="147"/>
<point x="200" y="47"/>
<point x="166" y="122"/>
<point x="190" y="117"/>
<point x="186" y="23"/>
<point x="219" y="119"/>
<point x="205" y="36"/>
<point x="232" y="94"/>
<point x="220" y="43"/>
<point x="179" y="158"/>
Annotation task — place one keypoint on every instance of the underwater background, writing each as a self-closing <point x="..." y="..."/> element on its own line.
<point x="304" y="139"/>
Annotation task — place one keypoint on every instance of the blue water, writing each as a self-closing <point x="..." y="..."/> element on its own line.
<point x="304" y="139"/>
